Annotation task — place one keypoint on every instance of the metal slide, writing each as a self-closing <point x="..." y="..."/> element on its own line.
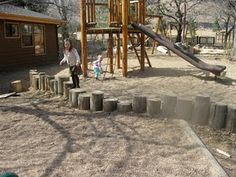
<point x="215" y="69"/>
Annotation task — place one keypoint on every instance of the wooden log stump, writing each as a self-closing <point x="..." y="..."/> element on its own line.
<point x="110" y="104"/>
<point x="41" y="80"/>
<point x="31" y="73"/>
<point x="73" y="96"/>
<point x="67" y="85"/>
<point x="48" y="78"/>
<point x="212" y="113"/>
<point x="184" y="109"/>
<point x="60" y="80"/>
<point x="124" y="106"/>
<point x="153" y="106"/>
<point x="35" y="82"/>
<point x="218" y="115"/>
<point x="84" y="102"/>
<point x="55" y="87"/>
<point x="169" y="105"/>
<point x="51" y="86"/>
<point x="201" y="110"/>
<point x="96" y="101"/>
<point x="231" y="119"/>
<point x="16" y="86"/>
<point x="139" y="104"/>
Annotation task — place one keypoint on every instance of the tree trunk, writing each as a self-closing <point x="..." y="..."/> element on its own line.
<point x="184" y="22"/>
<point x="179" y="33"/>
<point x="226" y="32"/>
<point x="233" y="52"/>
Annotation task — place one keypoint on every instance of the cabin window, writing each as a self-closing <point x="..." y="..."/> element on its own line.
<point x="27" y="35"/>
<point x="39" y="40"/>
<point x="11" y="30"/>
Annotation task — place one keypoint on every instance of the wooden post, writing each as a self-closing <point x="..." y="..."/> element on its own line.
<point x="218" y="116"/>
<point x="84" y="102"/>
<point x="139" y="12"/>
<point x="96" y="101"/>
<point x="118" y="51"/>
<point x="61" y="80"/>
<point x="184" y="108"/>
<point x="169" y="105"/>
<point x="118" y="11"/>
<point x="66" y="88"/>
<point x="124" y="106"/>
<point x="93" y="11"/>
<point x="51" y="85"/>
<point x="88" y="4"/>
<point x="31" y="78"/>
<point x="47" y="81"/>
<point x="110" y="52"/>
<point x="41" y="80"/>
<point x="153" y="106"/>
<point x="55" y="87"/>
<point x="73" y="96"/>
<point x="35" y="82"/>
<point x="111" y="11"/>
<point x="31" y="72"/>
<point x="231" y="119"/>
<point x="139" y="104"/>
<point x="16" y="86"/>
<point x="201" y="110"/>
<point x="124" y="37"/>
<point x="142" y="36"/>
<point x="83" y="39"/>
<point x="110" y="105"/>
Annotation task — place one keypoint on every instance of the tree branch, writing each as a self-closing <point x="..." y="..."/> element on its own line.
<point x="194" y="4"/>
<point x="6" y="2"/>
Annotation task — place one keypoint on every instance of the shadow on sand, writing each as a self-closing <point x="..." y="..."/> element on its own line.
<point x="120" y="131"/>
<point x="179" y="72"/>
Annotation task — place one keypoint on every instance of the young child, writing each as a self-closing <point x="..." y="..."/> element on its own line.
<point x="72" y="58"/>
<point x="97" y="66"/>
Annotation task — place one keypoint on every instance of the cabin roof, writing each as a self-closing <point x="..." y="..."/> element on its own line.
<point x="10" y="12"/>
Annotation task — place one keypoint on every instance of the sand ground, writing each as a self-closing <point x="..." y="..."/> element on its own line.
<point x="43" y="136"/>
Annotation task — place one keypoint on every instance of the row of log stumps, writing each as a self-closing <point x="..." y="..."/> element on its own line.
<point x="200" y="111"/>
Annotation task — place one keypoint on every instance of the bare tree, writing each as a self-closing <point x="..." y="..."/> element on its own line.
<point x="225" y="16"/>
<point x="178" y="11"/>
<point x="227" y="11"/>
<point x="66" y="10"/>
<point x="232" y="8"/>
<point x="35" y="5"/>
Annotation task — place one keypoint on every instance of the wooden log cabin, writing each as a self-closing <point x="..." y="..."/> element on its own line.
<point x="27" y="38"/>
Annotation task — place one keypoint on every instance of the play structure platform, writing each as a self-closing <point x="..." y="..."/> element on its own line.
<point x="215" y="69"/>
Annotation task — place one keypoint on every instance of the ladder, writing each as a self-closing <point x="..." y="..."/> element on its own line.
<point x="136" y="44"/>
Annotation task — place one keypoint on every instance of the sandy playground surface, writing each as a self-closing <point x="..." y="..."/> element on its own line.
<point x="42" y="136"/>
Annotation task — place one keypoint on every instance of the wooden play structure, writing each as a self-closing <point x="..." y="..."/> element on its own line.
<point x="126" y="20"/>
<point x="121" y="13"/>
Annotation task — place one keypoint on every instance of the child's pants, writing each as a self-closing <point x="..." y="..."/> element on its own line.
<point x="74" y="76"/>
<point x="75" y="80"/>
<point x="97" y="72"/>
